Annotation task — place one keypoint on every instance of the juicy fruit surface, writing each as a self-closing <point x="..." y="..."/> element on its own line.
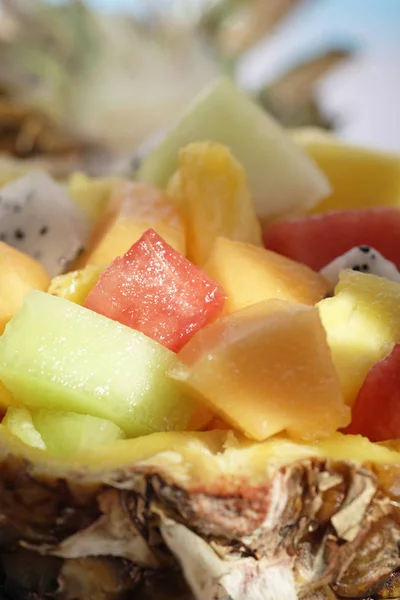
<point x="156" y="290"/>
<point x="214" y="199"/>
<point x="360" y="177"/>
<point x="362" y="322"/>
<point x="140" y="207"/>
<point x="67" y="434"/>
<point x="280" y="175"/>
<point x="249" y="274"/>
<point x="318" y="239"/>
<point x="56" y="354"/>
<point x="75" y="285"/>
<point x="274" y="372"/>
<point x="376" y="411"/>
<point x="18" y="274"/>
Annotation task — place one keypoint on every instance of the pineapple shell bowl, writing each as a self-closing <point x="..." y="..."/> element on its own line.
<point x="200" y="370"/>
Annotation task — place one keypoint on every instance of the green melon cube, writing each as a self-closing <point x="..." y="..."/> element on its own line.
<point x="66" y="434"/>
<point x="281" y="176"/>
<point x="57" y="355"/>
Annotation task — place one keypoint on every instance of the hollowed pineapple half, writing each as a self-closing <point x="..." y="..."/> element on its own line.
<point x="205" y="516"/>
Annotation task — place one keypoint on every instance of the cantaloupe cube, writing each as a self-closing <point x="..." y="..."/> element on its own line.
<point x="362" y="322"/>
<point x="18" y="274"/>
<point x="265" y="369"/>
<point x="134" y="208"/>
<point x="215" y="199"/>
<point x="249" y="274"/>
<point x="360" y="177"/>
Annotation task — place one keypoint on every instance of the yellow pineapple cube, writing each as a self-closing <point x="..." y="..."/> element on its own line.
<point x="360" y="177"/>
<point x="76" y="285"/>
<point x="90" y="194"/>
<point x="362" y="322"/>
<point x="215" y="199"/>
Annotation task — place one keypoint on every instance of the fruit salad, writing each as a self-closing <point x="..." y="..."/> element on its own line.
<point x="200" y="370"/>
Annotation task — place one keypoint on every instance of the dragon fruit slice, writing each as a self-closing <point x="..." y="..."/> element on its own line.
<point x="38" y="217"/>
<point x="361" y="258"/>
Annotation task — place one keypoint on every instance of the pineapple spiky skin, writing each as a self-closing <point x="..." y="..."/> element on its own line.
<point x="216" y="517"/>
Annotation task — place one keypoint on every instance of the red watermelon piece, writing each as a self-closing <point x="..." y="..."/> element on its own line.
<point x="318" y="239"/>
<point x="157" y="291"/>
<point x="376" y="411"/>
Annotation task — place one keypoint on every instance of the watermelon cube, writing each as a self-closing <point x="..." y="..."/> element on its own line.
<point x="319" y="239"/>
<point x="157" y="291"/>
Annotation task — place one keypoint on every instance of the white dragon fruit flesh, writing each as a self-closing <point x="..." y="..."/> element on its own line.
<point x="39" y="218"/>
<point x="364" y="259"/>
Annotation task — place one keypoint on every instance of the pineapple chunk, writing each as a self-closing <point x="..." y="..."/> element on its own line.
<point x="362" y="322"/>
<point x="18" y="274"/>
<point x="249" y="274"/>
<point x="18" y="421"/>
<point x="76" y="285"/>
<point x="90" y="194"/>
<point x="360" y="178"/>
<point x="6" y="398"/>
<point x="135" y="208"/>
<point x="265" y="369"/>
<point x="214" y="198"/>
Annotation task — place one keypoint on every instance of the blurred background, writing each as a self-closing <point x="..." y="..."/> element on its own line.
<point x="88" y="81"/>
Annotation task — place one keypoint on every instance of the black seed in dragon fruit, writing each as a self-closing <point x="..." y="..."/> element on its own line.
<point x="364" y="259"/>
<point x="38" y="217"/>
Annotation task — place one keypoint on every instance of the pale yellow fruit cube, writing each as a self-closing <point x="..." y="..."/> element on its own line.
<point x="215" y="199"/>
<point x="362" y="322"/>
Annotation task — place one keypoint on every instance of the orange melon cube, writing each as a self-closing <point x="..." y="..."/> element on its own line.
<point x="249" y="274"/>
<point x="134" y="208"/>
<point x="19" y="273"/>
<point x="265" y="369"/>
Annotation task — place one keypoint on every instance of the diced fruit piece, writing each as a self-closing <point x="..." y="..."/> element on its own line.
<point x="91" y="194"/>
<point x="362" y="322"/>
<point x="360" y="258"/>
<point x="281" y="176"/>
<point x="18" y="421"/>
<point x="249" y="274"/>
<point x="141" y="207"/>
<point x="376" y="411"/>
<point x="215" y="199"/>
<point x="55" y="354"/>
<point x="265" y="369"/>
<point x="18" y="274"/>
<point x="66" y="433"/>
<point x="318" y="239"/>
<point x="360" y="177"/>
<point x="76" y="285"/>
<point x="38" y="217"/>
<point x="6" y="398"/>
<point x="156" y="290"/>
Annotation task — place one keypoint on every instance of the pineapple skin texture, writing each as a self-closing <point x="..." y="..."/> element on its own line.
<point x="214" y="484"/>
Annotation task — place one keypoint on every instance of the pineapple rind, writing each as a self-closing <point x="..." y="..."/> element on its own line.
<point x="319" y="512"/>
